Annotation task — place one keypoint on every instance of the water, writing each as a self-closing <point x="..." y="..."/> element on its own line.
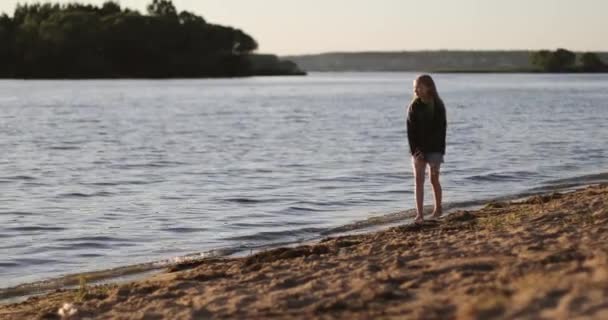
<point x="100" y="174"/>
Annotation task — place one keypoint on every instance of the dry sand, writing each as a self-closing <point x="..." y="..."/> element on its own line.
<point x="544" y="257"/>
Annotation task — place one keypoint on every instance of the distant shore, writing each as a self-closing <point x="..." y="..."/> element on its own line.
<point x="544" y="256"/>
<point x="535" y="71"/>
<point x="457" y="61"/>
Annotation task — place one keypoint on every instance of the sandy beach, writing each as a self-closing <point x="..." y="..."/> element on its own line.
<point x="542" y="257"/>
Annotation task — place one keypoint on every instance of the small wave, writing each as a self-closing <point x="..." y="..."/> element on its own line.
<point x="294" y="165"/>
<point x="18" y="213"/>
<point x="96" y="238"/>
<point x="215" y="253"/>
<point x="102" y="184"/>
<point x="304" y="209"/>
<point x="63" y="148"/>
<point x="90" y="255"/>
<point x="244" y="225"/>
<point x="90" y="245"/>
<point x="330" y="187"/>
<point x="391" y="191"/>
<point x="585" y="179"/>
<point x="326" y="203"/>
<point x="172" y="198"/>
<point x="184" y="230"/>
<point x="34" y="261"/>
<point x="74" y="195"/>
<point x="396" y="176"/>
<point x="370" y="223"/>
<point x="169" y="163"/>
<point x="572" y="182"/>
<point x="267" y="236"/>
<point x="399" y="191"/>
<point x="20" y="177"/>
<point x="86" y="246"/>
<point x="8" y="264"/>
<point x="503" y="176"/>
<point x="156" y="164"/>
<point x="35" y="184"/>
<point x="85" y="195"/>
<point x="87" y="121"/>
<point x="120" y="183"/>
<point x="340" y="179"/>
<point x="35" y="228"/>
<point x="249" y="200"/>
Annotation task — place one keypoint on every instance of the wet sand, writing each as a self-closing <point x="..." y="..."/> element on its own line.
<point x="543" y="257"/>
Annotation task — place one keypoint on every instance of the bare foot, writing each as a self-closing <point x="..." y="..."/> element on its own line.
<point x="437" y="214"/>
<point x="419" y="219"/>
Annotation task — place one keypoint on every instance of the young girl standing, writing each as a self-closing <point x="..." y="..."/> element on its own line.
<point x="426" y="131"/>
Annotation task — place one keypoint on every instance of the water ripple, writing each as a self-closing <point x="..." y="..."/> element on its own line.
<point x="170" y="169"/>
<point x="35" y="228"/>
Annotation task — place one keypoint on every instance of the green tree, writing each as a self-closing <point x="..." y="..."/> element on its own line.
<point x="244" y="43"/>
<point x="564" y="59"/>
<point x="541" y="59"/>
<point x="162" y="8"/>
<point x="591" y="62"/>
<point x="73" y="41"/>
<point x="7" y="51"/>
<point x="109" y="8"/>
<point x="559" y="60"/>
<point x="86" y="41"/>
<point x="186" y="17"/>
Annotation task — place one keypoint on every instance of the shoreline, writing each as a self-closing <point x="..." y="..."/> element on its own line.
<point x="469" y="264"/>
<point x="139" y="271"/>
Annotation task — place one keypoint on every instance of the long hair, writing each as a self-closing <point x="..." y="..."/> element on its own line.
<point x="428" y="82"/>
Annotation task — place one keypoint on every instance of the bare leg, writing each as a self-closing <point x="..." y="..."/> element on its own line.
<point x="437" y="192"/>
<point x="419" y="173"/>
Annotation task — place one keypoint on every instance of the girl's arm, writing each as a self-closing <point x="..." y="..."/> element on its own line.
<point x="444" y="127"/>
<point x="411" y="130"/>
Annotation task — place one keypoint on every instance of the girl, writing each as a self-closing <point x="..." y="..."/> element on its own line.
<point x="426" y="130"/>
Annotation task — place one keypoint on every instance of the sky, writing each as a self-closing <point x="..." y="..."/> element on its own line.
<point x="287" y="27"/>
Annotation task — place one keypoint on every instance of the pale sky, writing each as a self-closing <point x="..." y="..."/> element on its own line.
<point x="314" y="26"/>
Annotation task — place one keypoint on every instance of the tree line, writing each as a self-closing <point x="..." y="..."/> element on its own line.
<point x="562" y="60"/>
<point x="87" y="41"/>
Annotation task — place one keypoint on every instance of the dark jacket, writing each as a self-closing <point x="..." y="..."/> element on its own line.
<point x="426" y="130"/>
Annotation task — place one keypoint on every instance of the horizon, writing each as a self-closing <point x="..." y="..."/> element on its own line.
<point x="472" y="25"/>
<point x="441" y="50"/>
